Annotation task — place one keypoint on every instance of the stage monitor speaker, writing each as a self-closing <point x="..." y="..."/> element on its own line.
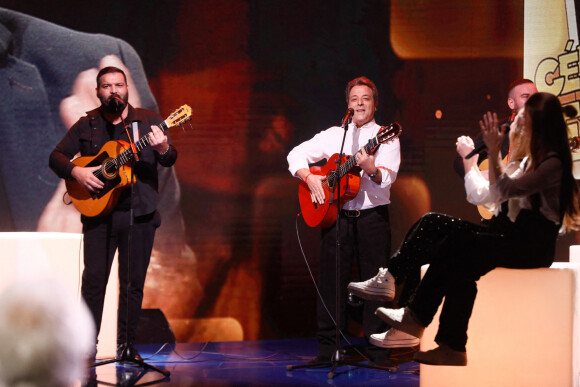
<point x="154" y="328"/>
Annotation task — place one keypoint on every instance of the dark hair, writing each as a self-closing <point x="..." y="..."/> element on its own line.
<point x="109" y="70"/>
<point x="363" y="81"/>
<point x="550" y="134"/>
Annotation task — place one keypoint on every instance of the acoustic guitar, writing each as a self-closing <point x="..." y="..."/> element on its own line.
<point x="115" y="171"/>
<point x="324" y="215"/>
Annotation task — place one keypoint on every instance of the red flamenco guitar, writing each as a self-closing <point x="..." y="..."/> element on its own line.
<point x="115" y="170"/>
<point x="324" y="215"/>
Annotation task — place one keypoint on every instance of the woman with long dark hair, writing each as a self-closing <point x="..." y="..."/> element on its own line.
<point x="540" y="202"/>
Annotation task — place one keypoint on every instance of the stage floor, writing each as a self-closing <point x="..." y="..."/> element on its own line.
<point x="246" y="363"/>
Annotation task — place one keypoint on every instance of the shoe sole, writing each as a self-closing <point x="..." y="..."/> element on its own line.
<point x="402" y="343"/>
<point x="451" y="363"/>
<point x="377" y="296"/>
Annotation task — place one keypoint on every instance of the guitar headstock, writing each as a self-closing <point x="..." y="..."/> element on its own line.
<point x="389" y="133"/>
<point x="179" y="116"/>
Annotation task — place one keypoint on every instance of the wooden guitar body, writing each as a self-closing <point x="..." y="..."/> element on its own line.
<point x="102" y="202"/>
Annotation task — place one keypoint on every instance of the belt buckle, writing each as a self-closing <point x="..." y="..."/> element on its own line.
<point x="352" y="213"/>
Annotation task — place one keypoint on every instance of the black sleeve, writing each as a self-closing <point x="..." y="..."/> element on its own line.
<point x="65" y="150"/>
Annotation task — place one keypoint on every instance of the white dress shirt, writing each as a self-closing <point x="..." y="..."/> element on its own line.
<point x="328" y="142"/>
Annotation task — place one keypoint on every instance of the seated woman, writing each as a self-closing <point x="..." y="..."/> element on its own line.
<point x="406" y="265"/>
<point x="423" y="239"/>
<point x="541" y="201"/>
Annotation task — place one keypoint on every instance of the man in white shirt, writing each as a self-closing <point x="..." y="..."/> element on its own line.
<point x="365" y="233"/>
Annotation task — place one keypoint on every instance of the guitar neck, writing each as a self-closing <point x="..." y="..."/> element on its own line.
<point x="143" y="142"/>
<point x="351" y="162"/>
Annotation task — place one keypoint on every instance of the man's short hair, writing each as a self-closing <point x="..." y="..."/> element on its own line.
<point x="109" y="70"/>
<point x="362" y="81"/>
<point x="518" y="82"/>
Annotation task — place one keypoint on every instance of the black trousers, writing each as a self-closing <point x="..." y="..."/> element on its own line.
<point x="366" y="239"/>
<point x="102" y="237"/>
<point x="421" y="244"/>
<point x="459" y="253"/>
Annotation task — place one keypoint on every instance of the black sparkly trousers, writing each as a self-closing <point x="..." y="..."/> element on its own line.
<point x="459" y="253"/>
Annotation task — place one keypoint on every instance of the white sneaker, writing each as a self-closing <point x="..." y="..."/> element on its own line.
<point x="379" y="288"/>
<point x="404" y="319"/>
<point x="394" y="338"/>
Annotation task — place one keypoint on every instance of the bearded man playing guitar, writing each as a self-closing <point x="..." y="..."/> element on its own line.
<point x="118" y="123"/>
<point x="365" y="233"/>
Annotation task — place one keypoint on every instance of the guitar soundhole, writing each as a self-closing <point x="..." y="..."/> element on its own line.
<point x="109" y="169"/>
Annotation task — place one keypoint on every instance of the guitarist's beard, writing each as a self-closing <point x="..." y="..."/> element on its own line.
<point x="112" y="105"/>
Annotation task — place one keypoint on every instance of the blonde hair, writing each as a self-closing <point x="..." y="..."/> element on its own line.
<point x="519" y="142"/>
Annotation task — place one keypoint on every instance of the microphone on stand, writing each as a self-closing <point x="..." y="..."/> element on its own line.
<point x="483" y="147"/>
<point x="118" y="100"/>
<point x="115" y="104"/>
<point x="347" y="117"/>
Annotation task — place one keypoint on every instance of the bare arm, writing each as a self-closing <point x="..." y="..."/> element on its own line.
<point x="493" y="138"/>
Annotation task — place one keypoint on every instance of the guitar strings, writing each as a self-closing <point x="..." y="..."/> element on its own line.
<point x="126" y="155"/>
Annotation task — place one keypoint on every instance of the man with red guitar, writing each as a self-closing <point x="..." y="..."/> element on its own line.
<point x="365" y="233"/>
<point x="116" y="120"/>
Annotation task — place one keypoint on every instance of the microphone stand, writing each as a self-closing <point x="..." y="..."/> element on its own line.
<point x="338" y="359"/>
<point x="127" y="355"/>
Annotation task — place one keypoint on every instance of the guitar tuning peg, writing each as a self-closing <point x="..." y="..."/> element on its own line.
<point x="182" y="126"/>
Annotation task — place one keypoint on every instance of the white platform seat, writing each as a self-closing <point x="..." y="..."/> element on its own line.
<point x="524" y="331"/>
<point x="30" y="254"/>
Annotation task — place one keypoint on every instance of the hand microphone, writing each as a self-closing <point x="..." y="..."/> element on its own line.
<point x="347" y="117"/>
<point x="476" y="151"/>
<point x="483" y="147"/>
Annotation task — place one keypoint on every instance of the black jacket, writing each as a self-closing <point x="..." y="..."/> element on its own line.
<point x="89" y="134"/>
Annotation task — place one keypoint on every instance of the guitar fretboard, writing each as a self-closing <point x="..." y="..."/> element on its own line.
<point x="143" y="142"/>
<point x="350" y="163"/>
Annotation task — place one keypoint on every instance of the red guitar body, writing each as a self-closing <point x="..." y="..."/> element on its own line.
<point x="324" y="215"/>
